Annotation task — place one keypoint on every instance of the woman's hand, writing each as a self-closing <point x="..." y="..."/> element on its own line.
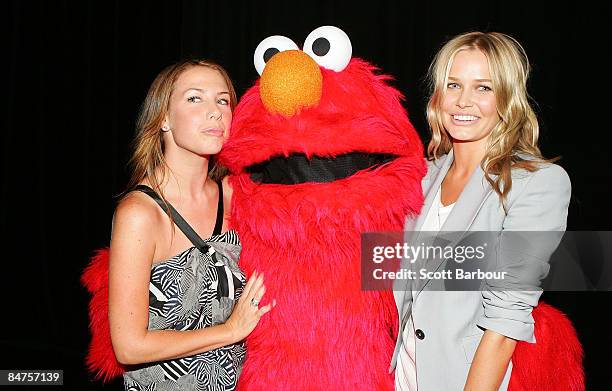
<point x="246" y="313"/>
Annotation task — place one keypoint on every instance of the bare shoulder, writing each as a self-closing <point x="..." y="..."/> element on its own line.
<point x="136" y="213"/>
<point x="134" y="233"/>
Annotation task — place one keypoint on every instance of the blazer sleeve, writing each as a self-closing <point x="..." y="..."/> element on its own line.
<point x="522" y="253"/>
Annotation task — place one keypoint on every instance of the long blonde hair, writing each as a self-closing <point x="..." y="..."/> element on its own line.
<point x="148" y="147"/>
<point x="517" y="132"/>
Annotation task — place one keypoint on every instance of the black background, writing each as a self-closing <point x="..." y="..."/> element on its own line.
<point x="76" y="73"/>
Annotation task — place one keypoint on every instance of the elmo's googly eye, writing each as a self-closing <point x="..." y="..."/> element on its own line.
<point x="269" y="47"/>
<point x="330" y="47"/>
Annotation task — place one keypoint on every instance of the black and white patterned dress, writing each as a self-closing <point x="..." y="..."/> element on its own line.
<point x="196" y="288"/>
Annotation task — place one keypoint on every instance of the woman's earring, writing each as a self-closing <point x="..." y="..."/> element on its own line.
<point x="165" y="128"/>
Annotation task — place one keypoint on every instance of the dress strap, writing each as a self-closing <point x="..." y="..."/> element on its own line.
<point x="180" y="222"/>
<point x="219" y="222"/>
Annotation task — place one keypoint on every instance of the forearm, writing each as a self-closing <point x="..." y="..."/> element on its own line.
<point x="160" y="345"/>
<point x="490" y="362"/>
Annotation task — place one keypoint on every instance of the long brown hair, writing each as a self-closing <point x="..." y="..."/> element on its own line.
<point x="513" y="142"/>
<point x="148" y="146"/>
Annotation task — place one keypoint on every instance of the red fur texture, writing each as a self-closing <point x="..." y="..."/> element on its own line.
<point x="554" y="363"/>
<point x="325" y="332"/>
<point x="101" y="358"/>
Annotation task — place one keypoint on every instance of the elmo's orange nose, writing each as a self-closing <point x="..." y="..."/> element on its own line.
<point x="290" y="81"/>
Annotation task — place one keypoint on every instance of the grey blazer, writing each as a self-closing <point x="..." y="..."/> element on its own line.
<point x="449" y="325"/>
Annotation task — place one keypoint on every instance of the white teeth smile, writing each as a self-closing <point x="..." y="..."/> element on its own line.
<point x="464" y="117"/>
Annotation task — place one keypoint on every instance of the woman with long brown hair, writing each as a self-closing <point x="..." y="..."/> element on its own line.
<point x="179" y="306"/>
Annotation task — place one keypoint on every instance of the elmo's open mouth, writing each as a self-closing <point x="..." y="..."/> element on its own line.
<point x="297" y="168"/>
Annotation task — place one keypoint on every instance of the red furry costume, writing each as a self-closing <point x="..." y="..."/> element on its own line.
<point x="325" y="332"/>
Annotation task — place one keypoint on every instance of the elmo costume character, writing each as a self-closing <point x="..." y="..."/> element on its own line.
<point x="322" y="150"/>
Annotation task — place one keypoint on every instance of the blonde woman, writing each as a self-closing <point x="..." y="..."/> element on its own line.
<point x="179" y="306"/>
<point x="485" y="173"/>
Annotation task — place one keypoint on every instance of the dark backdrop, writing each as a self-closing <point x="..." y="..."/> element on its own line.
<point x="76" y="73"/>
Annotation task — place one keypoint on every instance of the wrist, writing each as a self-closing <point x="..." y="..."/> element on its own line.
<point x="229" y="333"/>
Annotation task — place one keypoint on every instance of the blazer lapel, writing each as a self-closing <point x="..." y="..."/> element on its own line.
<point x="430" y="188"/>
<point x="469" y="203"/>
<point x="464" y="212"/>
<point x="403" y="290"/>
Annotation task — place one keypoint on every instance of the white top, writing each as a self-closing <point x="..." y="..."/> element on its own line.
<point x="405" y="372"/>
